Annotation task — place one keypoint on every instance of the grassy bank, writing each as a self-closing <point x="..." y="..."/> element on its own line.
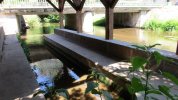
<point x="160" y="25"/>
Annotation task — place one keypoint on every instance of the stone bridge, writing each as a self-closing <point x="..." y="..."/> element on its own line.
<point x="22" y="7"/>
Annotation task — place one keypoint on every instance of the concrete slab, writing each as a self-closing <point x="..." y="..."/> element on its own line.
<point x="111" y="67"/>
<point x="17" y="81"/>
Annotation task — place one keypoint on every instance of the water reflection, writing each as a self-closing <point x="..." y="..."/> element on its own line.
<point x="167" y="40"/>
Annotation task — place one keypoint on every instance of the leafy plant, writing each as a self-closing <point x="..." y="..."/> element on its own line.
<point x="93" y="86"/>
<point x="51" y="92"/>
<point x="142" y="84"/>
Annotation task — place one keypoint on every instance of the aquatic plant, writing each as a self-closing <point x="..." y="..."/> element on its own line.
<point x="141" y="83"/>
<point x="93" y="86"/>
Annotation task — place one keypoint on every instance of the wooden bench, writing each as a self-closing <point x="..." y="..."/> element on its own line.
<point x="108" y="56"/>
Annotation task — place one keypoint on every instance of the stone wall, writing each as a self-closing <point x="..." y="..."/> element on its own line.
<point x="115" y="49"/>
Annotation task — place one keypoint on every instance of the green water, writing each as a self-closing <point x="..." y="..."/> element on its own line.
<point x="168" y="40"/>
<point x="35" y="34"/>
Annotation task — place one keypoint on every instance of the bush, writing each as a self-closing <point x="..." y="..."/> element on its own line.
<point x="32" y="20"/>
<point x="53" y="18"/>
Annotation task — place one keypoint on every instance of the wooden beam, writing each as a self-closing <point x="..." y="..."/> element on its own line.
<point x="49" y="1"/>
<point x="61" y="5"/>
<point x="113" y="3"/>
<point x="72" y="4"/>
<point x="104" y="3"/>
<point x="109" y="23"/>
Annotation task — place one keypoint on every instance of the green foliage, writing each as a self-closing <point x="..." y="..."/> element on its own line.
<point x="93" y="87"/>
<point x="141" y="83"/>
<point x="156" y="25"/>
<point x="32" y="20"/>
<point x="99" y="22"/>
<point x="52" y="18"/>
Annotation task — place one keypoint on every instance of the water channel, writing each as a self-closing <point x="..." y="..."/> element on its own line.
<point x="46" y="66"/>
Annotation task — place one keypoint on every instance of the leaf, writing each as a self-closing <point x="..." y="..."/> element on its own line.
<point x="106" y="95"/>
<point x="130" y="89"/>
<point x="94" y="91"/>
<point x="39" y="92"/>
<point x="171" y="77"/>
<point x="158" y="57"/>
<point x="63" y="92"/>
<point x="165" y="90"/>
<point x="137" y="84"/>
<point x="154" y="92"/>
<point x="138" y="62"/>
<point x="91" y="86"/>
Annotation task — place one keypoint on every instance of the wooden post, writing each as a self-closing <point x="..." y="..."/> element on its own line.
<point x="78" y="6"/>
<point x="177" y="49"/>
<point x="109" y="23"/>
<point x="61" y="21"/>
<point x="79" y="21"/>
<point x="109" y="6"/>
<point x="61" y="8"/>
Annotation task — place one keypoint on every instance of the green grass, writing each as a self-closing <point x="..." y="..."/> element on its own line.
<point x="159" y="25"/>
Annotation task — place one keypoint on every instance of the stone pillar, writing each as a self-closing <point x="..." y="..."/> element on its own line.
<point x="88" y="22"/>
<point x="142" y="18"/>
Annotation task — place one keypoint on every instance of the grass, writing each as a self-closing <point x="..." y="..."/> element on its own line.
<point x="159" y="25"/>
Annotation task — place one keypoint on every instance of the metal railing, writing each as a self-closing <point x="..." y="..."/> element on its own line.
<point x="88" y="3"/>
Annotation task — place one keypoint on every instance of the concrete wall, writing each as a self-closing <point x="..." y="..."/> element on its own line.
<point x="115" y="49"/>
<point x="130" y="19"/>
<point x="87" y="19"/>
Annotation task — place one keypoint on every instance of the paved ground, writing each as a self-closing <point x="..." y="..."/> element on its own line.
<point x="17" y="81"/>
